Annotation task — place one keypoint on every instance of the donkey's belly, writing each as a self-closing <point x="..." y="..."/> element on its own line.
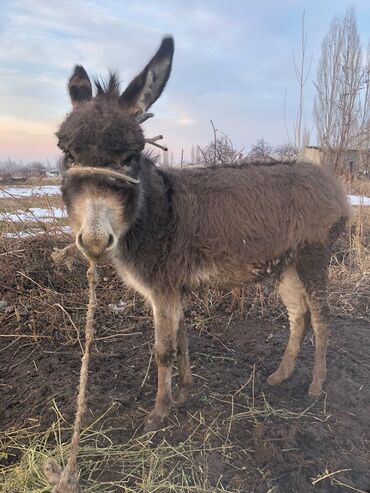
<point x="238" y="275"/>
<point x="224" y="279"/>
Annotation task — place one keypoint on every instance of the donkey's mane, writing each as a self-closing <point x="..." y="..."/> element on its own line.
<point x="109" y="87"/>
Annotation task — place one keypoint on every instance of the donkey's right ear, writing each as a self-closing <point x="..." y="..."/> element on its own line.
<point x="146" y="88"/>
<point x="79" y="86"/>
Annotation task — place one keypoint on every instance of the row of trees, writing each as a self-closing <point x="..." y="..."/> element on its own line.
<point x="221" y="151"/>
<point x="20" y="169"/>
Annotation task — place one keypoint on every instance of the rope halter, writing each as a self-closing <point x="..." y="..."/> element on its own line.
<point x="92" y="170"/>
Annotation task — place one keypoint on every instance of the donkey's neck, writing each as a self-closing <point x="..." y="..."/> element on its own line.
<point x="145" y="246"/>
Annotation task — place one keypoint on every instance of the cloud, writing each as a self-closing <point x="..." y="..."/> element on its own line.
<point x="23" y="139"/>
<point x="185" y="121"/>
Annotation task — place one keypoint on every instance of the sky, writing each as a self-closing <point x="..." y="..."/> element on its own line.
<point x="233" y="64"/>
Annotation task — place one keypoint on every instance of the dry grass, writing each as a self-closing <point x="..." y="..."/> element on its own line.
<point x="142" y="464"/>
<point x="30" y="181"/>
<point x="358" y="187"/>
<point x="17" y="206"/>
<point x="350" y="270"/>
<point x="14" y="204"/>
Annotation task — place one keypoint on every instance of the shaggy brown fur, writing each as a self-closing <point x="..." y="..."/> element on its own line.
<point x="179" y="229"/>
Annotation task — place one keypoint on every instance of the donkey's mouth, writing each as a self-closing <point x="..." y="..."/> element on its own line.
<point x="95" y="258"/>
<point x="96" y="251"/>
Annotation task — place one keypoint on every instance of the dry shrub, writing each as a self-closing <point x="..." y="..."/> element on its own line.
<point x="45" y="300"/>
<point x="350" y="271"/>
<point x="358" y="187"/>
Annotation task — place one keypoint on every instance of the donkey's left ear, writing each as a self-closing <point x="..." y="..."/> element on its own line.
<point x="79" y="86"/>
<point x="146" y="88"/>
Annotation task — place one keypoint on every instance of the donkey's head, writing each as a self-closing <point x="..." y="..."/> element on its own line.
<point x="102" y="143"/>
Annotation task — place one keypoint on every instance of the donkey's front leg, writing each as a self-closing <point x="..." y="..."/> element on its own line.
<point x="183" y="362"/>
<point x="167" y="311"/>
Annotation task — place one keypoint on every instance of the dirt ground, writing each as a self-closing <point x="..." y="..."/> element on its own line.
<point x="253" y="438"/>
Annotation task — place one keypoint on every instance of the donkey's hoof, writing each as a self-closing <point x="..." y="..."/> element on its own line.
<point x="179" y="398"/>
<point x="315" y="389"/>
<point x="152" y="424"/>
<point x="275" y="378"/>
<point x="181" y="395"/>
<point x="155" y="422"/>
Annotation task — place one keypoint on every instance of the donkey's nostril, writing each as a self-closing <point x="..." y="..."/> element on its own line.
<point x="110" y="241"/>
<point x="79" y="240"/>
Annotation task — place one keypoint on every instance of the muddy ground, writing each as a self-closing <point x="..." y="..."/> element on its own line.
<point x="278" y="439"/>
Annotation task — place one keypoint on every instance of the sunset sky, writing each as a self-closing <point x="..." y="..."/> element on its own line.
<point x="233" y="63"/>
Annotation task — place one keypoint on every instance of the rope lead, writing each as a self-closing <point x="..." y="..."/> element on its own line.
<point x="66" y="480"/>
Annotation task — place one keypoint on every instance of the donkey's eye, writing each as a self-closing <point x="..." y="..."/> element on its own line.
<point x="129" y="159"/>
<point x="69" y="156"/>
<point x="68" y="160"/>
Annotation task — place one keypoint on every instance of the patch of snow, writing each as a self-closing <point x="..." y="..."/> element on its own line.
<point x="23" y="234"/>
<point x="118" y="307"/>
<point x="34" y="214"/>
<point x="37" y="231"/>
<point x="359" y="200"/>
<point x="7" y="192"/>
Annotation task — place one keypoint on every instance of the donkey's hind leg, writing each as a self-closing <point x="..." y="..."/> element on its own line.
<point x="312" y="268"/>
<point x="292" y="293"/>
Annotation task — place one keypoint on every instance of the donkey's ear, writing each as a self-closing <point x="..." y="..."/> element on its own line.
<point x="79" y="86"/>
<point x="146" y="88"/>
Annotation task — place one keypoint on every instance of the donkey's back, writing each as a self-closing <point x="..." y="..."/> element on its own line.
<point x="233" y="221"/>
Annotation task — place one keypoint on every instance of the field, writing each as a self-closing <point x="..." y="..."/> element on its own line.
<point x="235" y="433"/>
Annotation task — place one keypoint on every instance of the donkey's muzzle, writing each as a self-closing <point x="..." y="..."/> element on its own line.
<point x="96" y="246"/>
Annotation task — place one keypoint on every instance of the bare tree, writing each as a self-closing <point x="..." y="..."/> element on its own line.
<point x="220" y="151"/>
<point x="302" y="67"/>
<point x="164" y="161"/>
<point x="340" y="81"/>
<point x="301" y="72"/>
<point x="261" y="150"/>
<point x="286" y="151"/>
<point x="19" y="169"/>
<point x="192" y="154"/>
<point x="306" y="137"/>
<point x="198" y="155"/>
<point x="363" y="137"/>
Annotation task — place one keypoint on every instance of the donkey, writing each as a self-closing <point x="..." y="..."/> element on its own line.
<point x="166" y="230"/>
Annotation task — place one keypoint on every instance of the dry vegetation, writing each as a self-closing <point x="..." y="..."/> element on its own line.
<point x="201" y="450"/>
<point x="359" y="187"/>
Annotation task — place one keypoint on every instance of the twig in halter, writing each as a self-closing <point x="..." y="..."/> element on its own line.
<point x="153" y="142"/>
<point x="143" y="117"/>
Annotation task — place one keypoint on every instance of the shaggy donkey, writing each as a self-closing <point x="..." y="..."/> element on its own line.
<point x="167" y="230"/>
